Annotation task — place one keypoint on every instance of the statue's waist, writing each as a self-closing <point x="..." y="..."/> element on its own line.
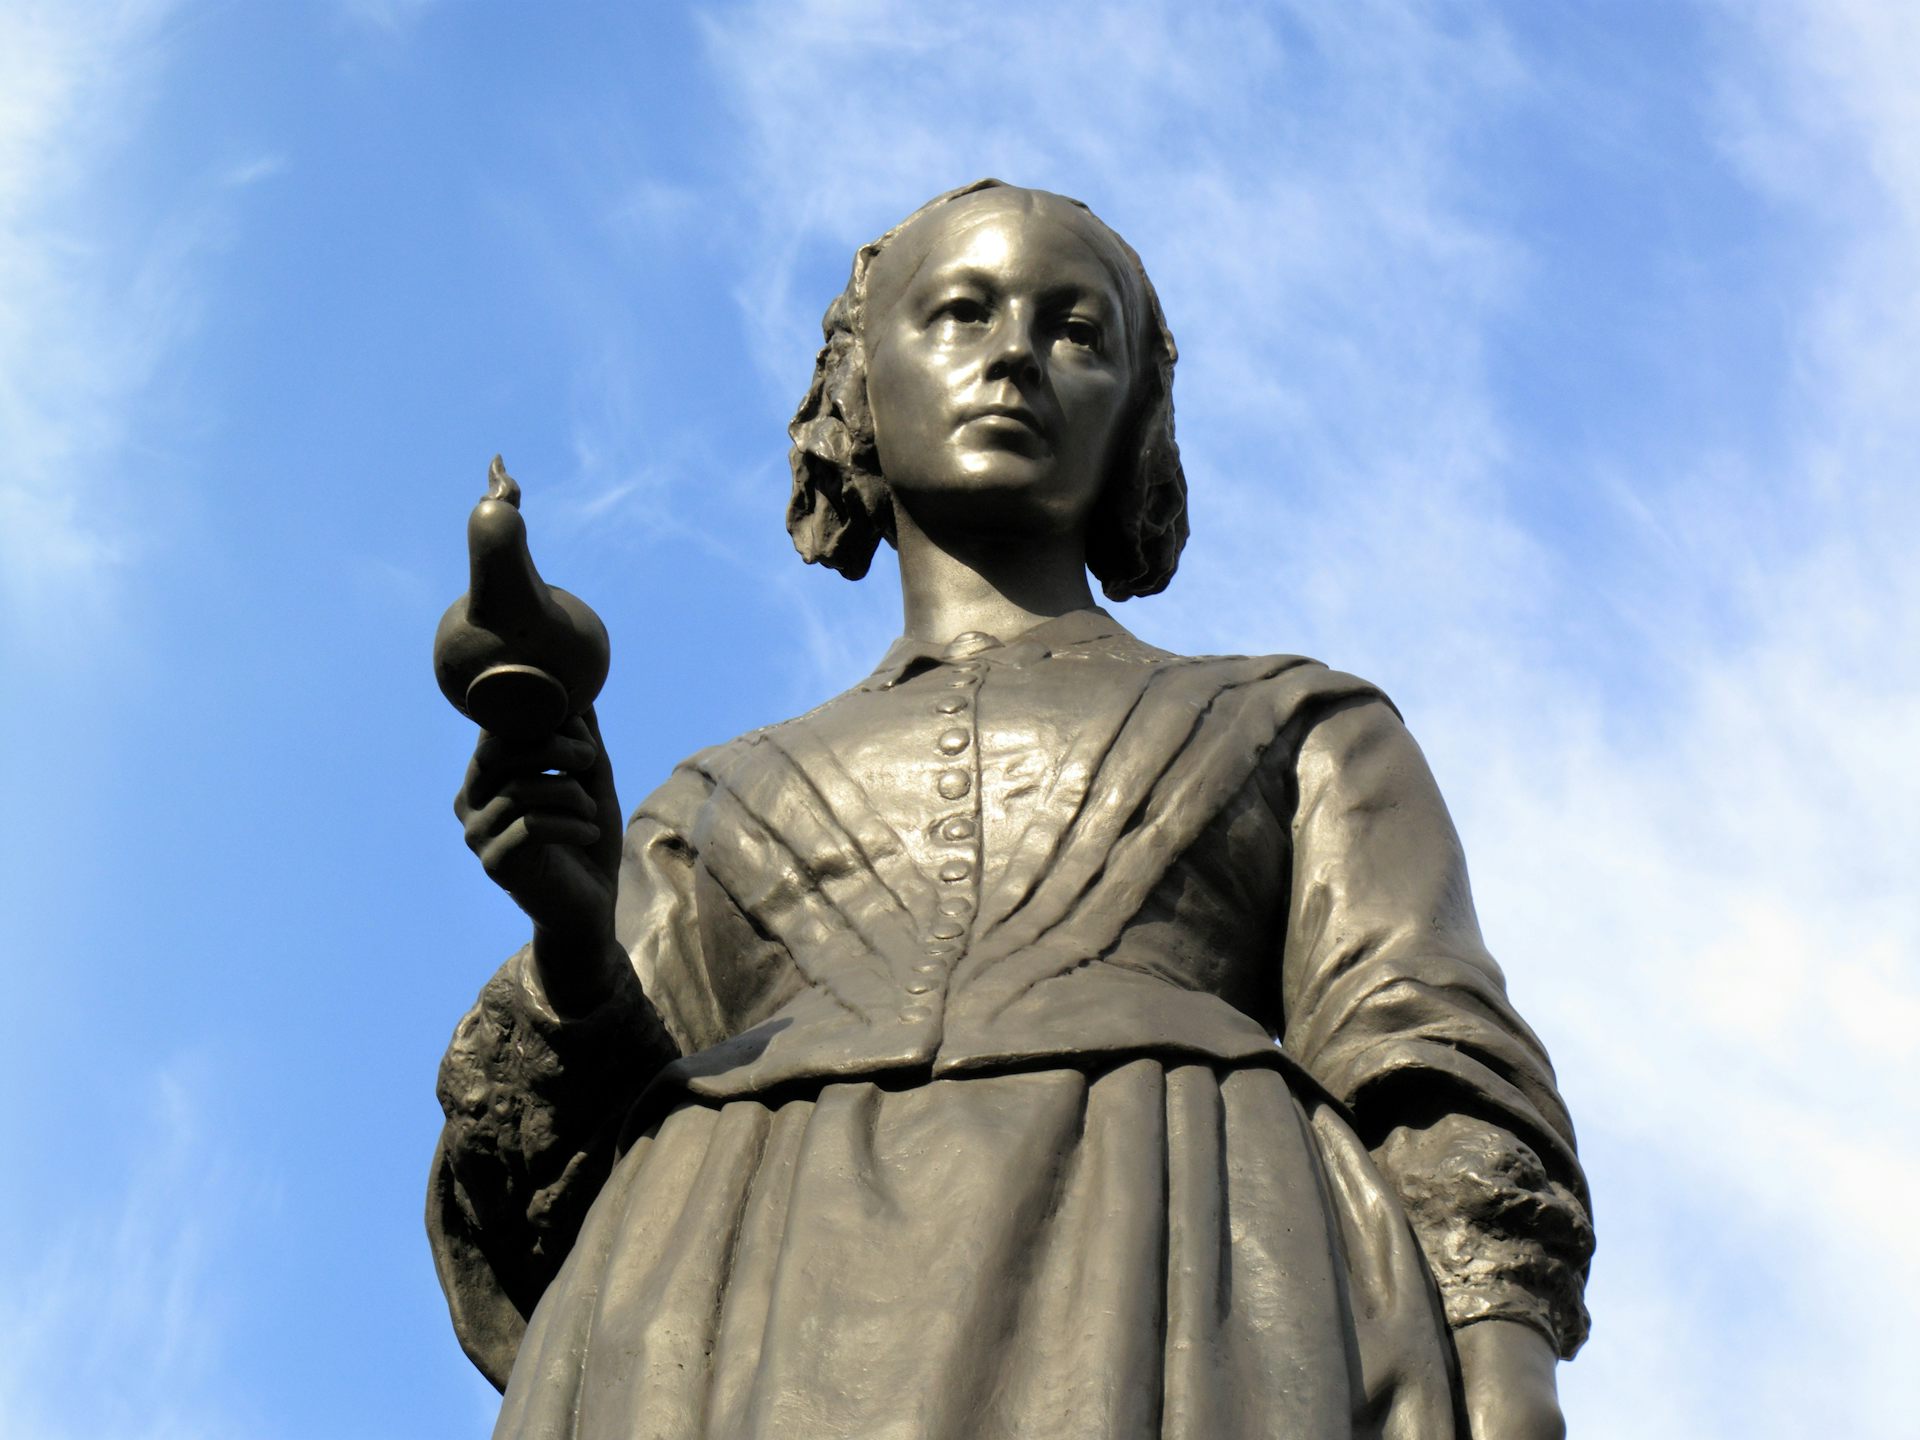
<point x="1088" y="1017"/>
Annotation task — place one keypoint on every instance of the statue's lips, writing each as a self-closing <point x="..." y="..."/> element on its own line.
<point x="1008" y="420"/>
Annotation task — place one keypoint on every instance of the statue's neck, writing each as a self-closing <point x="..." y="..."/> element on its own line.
<point x="997" y="585"/>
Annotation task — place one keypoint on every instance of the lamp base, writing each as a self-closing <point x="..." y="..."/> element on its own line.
<point x="522" y="702"/>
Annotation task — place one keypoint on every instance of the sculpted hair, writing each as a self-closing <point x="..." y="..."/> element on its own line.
<point x="840" y="509"/>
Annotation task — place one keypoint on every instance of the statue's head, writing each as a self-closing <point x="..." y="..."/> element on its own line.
<point x="999" y="355"/>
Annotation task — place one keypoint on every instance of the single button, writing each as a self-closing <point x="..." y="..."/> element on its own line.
<point x="952" y="784"/>
<point x="932" y="967"/>
<point x="913" y="1013"/>
<point x="952" y="742"/>
<point x="956" y="905"/>
<point x="951" y="704"/>
<point x="956" y="870"/>
<point x="959" y="827"/>
<point x="947" y="930"/>
<point x="919" y="987"/>
<point x="971" y="643"/>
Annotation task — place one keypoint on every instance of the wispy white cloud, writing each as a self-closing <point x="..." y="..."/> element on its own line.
<point x="1696" y="862"/>
<point x="112" y="1321"/>
<point x="85" y="320"/>
<point x="253" y="170"/>
<point x="1745" y="868"/>
<point x="103" y="279"/>
<point x="655" y="208"/>
<point x="393" y="19"/>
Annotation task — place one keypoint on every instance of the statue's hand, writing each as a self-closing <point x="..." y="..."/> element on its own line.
<point x="543" y="818"/>
<point x="1506" y="1369"/>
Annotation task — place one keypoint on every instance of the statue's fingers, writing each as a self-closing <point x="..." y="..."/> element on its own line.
<point x="484" y="823"/>
<point x="560" y="793"/>
<point x="547" y="828"/>
<point x="589" y="723"/>
<point x="545" y="796"/>
<point x="569" y="748"/>
<point x="477" y="787"/>
<point x="523" y="837"/>
<point x="581" y="753"/>
<point x="497" y="760"/>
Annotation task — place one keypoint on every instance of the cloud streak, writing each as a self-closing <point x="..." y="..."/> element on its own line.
<point x="110" y="1328"/>
<point x="96" y="300"/>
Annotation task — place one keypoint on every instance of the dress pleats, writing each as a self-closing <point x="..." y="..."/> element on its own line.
<point x="1146" y="1253"/>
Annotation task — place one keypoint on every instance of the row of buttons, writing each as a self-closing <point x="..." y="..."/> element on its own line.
<point x="956" y="783"/>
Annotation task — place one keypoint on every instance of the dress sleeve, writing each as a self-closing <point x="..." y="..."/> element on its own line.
<point x="534" y="1103"/>
<point x="1393" y="1003"/>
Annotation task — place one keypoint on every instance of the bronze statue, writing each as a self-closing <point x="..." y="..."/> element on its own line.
<point x="1050" y="1036"/>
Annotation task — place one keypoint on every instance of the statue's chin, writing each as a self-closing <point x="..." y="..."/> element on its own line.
<point x="997" y="489"/>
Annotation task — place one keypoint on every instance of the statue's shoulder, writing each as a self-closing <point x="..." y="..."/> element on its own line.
<point x="1295" y="677"/>
<point x="709" y="766"/>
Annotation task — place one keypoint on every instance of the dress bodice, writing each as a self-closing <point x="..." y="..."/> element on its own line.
<point x="975" y="754"/>
<point x="983" y="856"/>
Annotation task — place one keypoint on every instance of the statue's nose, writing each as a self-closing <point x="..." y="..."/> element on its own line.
<point x="1014" y="355"/>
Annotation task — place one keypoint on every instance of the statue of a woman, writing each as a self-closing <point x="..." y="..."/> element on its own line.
<point x="1049" y="1037"/>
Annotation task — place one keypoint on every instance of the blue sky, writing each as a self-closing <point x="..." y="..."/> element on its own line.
<point x="1554" y="366"/>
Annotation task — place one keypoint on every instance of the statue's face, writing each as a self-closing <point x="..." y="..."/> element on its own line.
<point x="998" y="365"/>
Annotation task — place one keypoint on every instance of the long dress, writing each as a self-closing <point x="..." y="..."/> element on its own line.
<point x="1046" y="1038"/>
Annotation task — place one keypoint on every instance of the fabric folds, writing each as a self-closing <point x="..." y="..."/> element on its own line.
<point x="1150" y="1251"/>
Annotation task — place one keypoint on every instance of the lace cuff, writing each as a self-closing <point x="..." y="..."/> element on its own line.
<point x="531" y="1100"/>
<point x="1504" y="1241"/>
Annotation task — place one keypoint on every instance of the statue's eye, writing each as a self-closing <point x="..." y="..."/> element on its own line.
<point x="1081" y="332"/>
<point x="963" y="310"/>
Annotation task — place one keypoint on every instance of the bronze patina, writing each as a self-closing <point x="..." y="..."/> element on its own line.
<point x="1051" y="1036"/>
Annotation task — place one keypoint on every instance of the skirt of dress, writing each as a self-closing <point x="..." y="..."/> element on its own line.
<point x="1148" y="1251"/>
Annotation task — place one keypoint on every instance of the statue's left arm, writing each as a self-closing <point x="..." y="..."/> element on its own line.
<point x="1393" y="1003"/>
